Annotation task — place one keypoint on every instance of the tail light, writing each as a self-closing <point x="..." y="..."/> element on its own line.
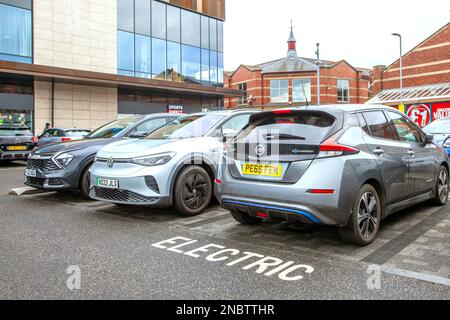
<point x="331" y="148"/>
<point x="35" y="139"/>
<point x="66" y="139"/>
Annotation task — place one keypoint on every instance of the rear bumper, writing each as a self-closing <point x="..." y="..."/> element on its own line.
<point x="19" y="155"/>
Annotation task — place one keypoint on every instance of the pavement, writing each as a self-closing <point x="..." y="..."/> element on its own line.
<point x="61" y="246"/>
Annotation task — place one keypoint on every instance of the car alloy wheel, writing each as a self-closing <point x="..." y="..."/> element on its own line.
<point x="368" y="215"/>
<point x="195" y="191"/>
<point x="443" y="186"/>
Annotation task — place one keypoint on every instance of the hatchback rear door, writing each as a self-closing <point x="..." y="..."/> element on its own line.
<point x="279" y="146"/>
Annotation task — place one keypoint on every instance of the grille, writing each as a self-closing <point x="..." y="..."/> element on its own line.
<point x="36" y="181"/>
<point x="121" y="196"/>
<point x="42" y="164"/>
<point x="152" y="184"/>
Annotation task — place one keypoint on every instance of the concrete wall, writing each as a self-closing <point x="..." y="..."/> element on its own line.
<point x="75" y="34"/>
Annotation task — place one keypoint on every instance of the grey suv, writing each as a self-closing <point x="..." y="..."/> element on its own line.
<point x="65" y="166"/>
<point x="346" y="166"/>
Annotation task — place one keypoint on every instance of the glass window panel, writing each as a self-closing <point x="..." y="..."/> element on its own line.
<point x="125" y="73"/>
<point x="191" y="63"/>
<point x="220" y="36"/>
<point x="15" y="31"/>
<point x="378" y="125"/>
<point x="125" y="50"/>
<point x="343" y="91"/>
<point x="173" y="61"/>
<point x="301" y="90"/>
<point x="213" y="34"/>
<point x="279" y="91"/>
<point x="173" y="24"/>
<point x="142" y="16"/>
<point x="143" y="54"/>
<point x="220" y="68"/>
<point x="205" y="32"/>
<point x="158" y="20"/>
<point x="213" y="67"/>
<point x="190" y="31"/>
<point x="125" y="15"/>
<point x="158" y="58"/>
<point x="205" y="66"/>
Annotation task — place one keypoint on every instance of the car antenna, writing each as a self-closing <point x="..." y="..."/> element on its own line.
<point x="304" y="93"/>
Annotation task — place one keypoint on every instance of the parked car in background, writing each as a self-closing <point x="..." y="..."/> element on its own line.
<point x="346" y="166"/>
<point x="56" y="135"/>
<point x="16" y="142"/>
<point x="65" y="166"/>
<point x="440" y="129"/>
<point x="175" y="165"/>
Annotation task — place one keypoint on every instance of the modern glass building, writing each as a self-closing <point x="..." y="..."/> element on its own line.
<point x="87" y="62"/>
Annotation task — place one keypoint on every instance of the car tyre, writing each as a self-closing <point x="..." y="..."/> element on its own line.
<point x="85" y="182"/>
<point x="244" y="218"/>
<point x="364" y="222"/>
<point x="193" y="191"/>
<point x="441" y="189"/>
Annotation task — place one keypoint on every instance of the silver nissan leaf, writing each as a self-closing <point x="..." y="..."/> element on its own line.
<point x="346" y="166"/>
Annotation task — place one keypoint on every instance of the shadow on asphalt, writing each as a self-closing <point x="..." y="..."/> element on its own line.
<point x="12" y="164"/>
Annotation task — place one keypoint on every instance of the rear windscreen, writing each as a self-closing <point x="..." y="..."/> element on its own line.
<point x="306" y="128"/>
<point x="15" y="132"/>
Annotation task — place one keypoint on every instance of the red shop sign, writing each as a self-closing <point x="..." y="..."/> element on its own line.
<point x="441" y="110"/>
<point x="420" y="114"/>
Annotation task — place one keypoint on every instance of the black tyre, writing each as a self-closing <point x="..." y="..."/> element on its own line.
<point x="193" y="191"/>
<point x="441" y="189"/>
<point x="364" y="222"/>
<point x="244" y="218"/>
<point x="85" y="182"/>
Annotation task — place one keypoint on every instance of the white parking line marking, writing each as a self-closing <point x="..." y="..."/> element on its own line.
<point x="269" y="266"/>
<point x="417" y="275"/>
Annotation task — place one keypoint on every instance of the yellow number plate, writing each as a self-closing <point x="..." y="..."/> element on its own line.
<point x="17" y="148"/>
<point x="265" y="170"/>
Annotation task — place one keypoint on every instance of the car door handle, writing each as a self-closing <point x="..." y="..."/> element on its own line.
<point x="411" y="153"/>
<point x="378" y="151"/>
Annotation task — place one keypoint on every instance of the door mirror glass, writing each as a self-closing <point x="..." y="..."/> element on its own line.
<point x="139" y="135"/>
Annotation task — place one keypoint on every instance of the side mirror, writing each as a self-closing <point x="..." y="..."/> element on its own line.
<point x="228" y="133"/>
<point x="429" y="139"/>
<point x="139" y="135"/>
<point x="446" y="143"/>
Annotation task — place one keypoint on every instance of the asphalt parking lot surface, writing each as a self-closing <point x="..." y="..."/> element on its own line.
<point x="141" y="253"/>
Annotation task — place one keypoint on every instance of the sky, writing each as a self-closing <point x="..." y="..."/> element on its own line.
<point x="358" y="31"/>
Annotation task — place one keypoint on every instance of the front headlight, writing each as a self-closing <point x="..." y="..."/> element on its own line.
<point x="64" y="159"/>
<point x="154" y="160"/>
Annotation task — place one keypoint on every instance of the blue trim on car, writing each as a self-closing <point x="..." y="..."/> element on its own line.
<point x="307" y="215"/>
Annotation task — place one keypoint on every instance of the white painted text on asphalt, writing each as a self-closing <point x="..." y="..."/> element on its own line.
<point x="269" y="266"/>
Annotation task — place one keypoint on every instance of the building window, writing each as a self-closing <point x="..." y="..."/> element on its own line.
<point x="16" y="32"/>
<point x="343" y="91"/>
<point x="143" y="55"/>
<point x="166" y="42"/>
<point x="190" y="63"/>
<point x="242" y="99"/>
<point x="279" y="91"/>
<point x="301" y="90"/>
<point x="125" y="51"/>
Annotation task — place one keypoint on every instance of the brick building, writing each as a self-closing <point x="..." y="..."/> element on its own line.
<point x="426" y="80"/>
<point x="292" y="81"/>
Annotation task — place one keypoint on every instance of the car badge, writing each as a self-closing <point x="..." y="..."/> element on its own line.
<point x="260" y="150"/>
<point x="110" y="162"/>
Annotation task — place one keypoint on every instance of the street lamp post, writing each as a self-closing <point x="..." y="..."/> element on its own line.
<point x="401" y="66"/>
<point x="318" y="73"/>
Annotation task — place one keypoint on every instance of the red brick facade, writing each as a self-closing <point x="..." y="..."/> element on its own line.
<point x="259" y="82"/>
<point x="426" y="64"/>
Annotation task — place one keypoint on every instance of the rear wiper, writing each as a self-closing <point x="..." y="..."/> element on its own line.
<point x="283" y="136"/>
